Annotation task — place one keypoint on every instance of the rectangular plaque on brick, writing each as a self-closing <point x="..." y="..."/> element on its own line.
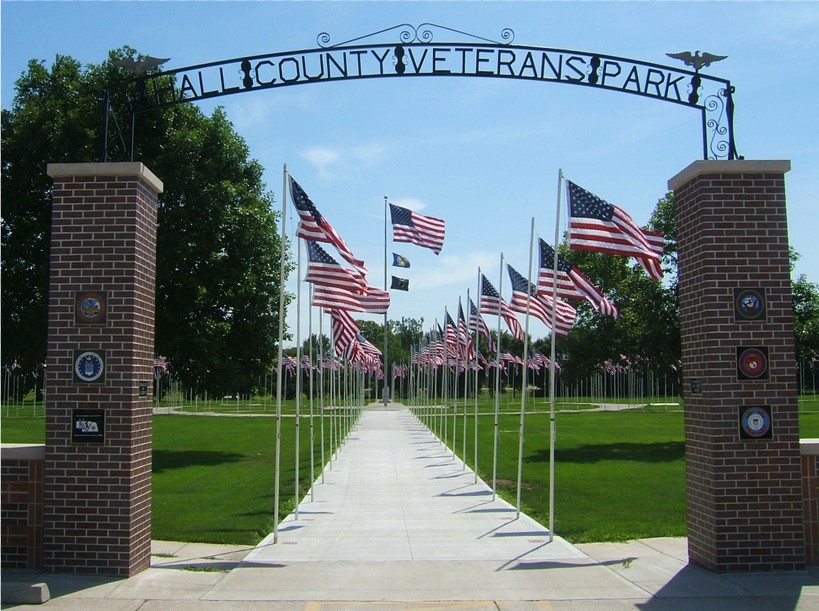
<point x="88" y="425"/>
<point x="749" y="304"/>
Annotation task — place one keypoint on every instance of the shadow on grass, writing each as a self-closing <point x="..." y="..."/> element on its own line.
<point x="662" y="451"/>
<point x="164" y="460"/>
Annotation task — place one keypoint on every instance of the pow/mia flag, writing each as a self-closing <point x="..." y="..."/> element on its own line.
<point x="400" y="284"/>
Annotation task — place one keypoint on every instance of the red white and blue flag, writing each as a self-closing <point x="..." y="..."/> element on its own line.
<point x="323" y="270"/>
<point x="477" y="321"/>
<point x="599" y="226"/>
<point x="571" y="282"/>
<point x="493" y="304"/>
<point x="344" y="330"/>
<point x="411" y="227"/>
<point x="525" y="295"/>
<point x="374" y="301"/>
<point x="314" y="227"/>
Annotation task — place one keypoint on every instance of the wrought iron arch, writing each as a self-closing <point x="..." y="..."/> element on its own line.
<point x="412" y="51"/>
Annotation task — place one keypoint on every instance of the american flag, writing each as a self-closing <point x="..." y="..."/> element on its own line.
<point x="598" y="226"/>
<point x="313" y="226"/>
<point x="344" y="330"/>
<point x="451" y="336"/>
<point x="477" y="321"/>
<point x="465" y="343"/>
<point x="408" y="226"/>
<point x="290" y="364"/>
<point x="363" y="354"/>
<point x="323" y="270"/>
<point x="491" y="303"/>
<point x="571" y="282"/>
<point x="374" y="301"/>
<point x="539" y="305"/>
<point x="367" y="347"/>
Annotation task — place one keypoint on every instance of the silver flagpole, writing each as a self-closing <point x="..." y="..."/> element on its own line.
<point x="282" y="270"/>
<point x="321" y="388"/>
<point x="552" y="371"/>
<point x="524" y="372"/>
<point x="475" y="341"/>
<point x="298" y="379"/>
<point x="333" y="391"/>
<point x="497" y="387"/>
<point x="310" y="399"/>
<point x="454" y="389"/>
<point x="466" y="376"/>
<point x="385" y="393"/>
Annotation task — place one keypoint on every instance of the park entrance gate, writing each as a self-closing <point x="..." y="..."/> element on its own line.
<point x="742" y="437"/>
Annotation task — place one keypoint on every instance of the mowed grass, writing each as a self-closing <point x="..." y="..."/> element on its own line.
<point x="213" y="477"/>
<point x="619" y="475"/>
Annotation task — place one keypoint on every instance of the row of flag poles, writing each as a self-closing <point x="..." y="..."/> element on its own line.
<point x="594" y="225"/>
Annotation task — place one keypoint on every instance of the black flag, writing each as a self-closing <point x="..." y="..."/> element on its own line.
<point x="400" y="284"/>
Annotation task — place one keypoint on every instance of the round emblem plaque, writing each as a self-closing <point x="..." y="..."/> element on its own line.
<point x="756" y="422"/>
<point x="749" y="304"/>
<point x="88" y="366"/>
<point x="90" y="307"/>
<point x="752" y="363"/>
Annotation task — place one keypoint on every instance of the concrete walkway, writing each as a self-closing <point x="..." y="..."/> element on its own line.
<point x="398" y="523"/>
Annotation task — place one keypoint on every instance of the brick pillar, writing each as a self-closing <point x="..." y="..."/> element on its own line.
<point x="739" y="369"/>
<point x="97" y="480"/>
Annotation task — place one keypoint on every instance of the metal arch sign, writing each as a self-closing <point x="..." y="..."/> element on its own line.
<point x="417" y="54"/>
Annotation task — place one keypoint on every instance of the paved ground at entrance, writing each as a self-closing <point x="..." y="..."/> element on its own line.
<point x="399" y="523"/>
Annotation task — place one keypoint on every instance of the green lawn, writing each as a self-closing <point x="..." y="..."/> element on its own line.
<point x="619" y="475"/>
<point x="214" y="476"/>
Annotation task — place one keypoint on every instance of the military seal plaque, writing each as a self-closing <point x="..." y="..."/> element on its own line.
<point x="755" y="422"/>
<point x="749" y="304"/>
<point x="752" y="363"/>
<point x="89" y="366"/>
<point x="90" y="307"/>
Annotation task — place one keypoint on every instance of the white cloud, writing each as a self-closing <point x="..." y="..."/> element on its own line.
<point x="332" y="161"/>
<point x="323" y="159"/>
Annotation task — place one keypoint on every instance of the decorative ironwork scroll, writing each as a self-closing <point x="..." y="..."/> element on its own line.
<point x="415" y="51"/>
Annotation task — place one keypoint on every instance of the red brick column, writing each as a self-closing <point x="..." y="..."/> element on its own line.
<point x="810" y="494"/>
<point x="21" y="506"/>
<point x="739" y="370"/>
<point x="97" y="480"/>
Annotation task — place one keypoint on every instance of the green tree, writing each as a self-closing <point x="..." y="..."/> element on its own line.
<point x="647" y="332"/>
<point x="806" y="323"/>
<point x="218" y="247"/>
<point x="47" y="123"/>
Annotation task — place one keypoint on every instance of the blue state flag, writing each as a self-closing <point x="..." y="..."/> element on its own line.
<point x="399" y="260"/>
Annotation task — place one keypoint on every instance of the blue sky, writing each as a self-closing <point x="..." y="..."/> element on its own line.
<point x="483" y="154"/>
